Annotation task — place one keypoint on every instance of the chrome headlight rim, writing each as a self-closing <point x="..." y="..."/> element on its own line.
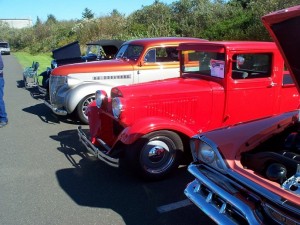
<point x="206" y="151"/>
<point x="117" y="107"/>
<point x="100" y="98"/>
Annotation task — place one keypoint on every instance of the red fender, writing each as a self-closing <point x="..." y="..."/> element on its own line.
<point x="147" y="125"/>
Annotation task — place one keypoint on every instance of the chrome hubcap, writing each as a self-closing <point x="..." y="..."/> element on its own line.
<point x="86" y="103"/>
<point x="157" y="156"/>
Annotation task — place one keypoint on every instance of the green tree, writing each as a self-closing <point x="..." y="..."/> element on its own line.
<point x="228" y="21"/>
<point x="210" y="19"/>
<point x="87" y="14"/>
<point x="259" y="8"/>
<point x="151" y="21"/>
<point x="38" y="21"/>
<point x="51" y="19"/>
<point x="4" y="30"/>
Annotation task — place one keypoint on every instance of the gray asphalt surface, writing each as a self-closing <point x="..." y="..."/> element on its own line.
<point x="46" y="177"/>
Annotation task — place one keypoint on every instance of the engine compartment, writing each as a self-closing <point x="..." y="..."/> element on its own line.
<point x="278" y="159"/>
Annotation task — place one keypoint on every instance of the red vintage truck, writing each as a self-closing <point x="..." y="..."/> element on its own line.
<point x="249" y="173"/>
<point x="147" y="126"/>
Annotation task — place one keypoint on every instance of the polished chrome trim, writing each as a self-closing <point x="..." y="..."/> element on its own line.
<point x="114" y="162"/>
<point x="101" y="98"/>
<point x="57" y="111"/>
<point x="55" y="84"/>
<point x="215" y="148"/>
<point x="42" y="90"/>
<point x="226" y="188"/>
<point x="278" y="216"/>
<point x="209" y="207"/>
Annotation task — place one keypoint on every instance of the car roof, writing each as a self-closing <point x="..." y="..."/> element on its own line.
<point x="229" y="45"/>
<point x="163" y="41"/>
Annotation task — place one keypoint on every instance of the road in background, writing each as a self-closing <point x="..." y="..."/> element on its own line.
<point x="46" y="177"/>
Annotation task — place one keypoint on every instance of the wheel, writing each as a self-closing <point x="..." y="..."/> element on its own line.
<point x="82" y="106"/>
<point x="25" y="82"/>
<point x="155" y="155"/>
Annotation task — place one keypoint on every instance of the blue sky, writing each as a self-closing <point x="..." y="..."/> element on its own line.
<point x="67" y="9"/>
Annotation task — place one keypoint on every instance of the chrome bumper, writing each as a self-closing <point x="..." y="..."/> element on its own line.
<point x="42" y="90"/>
<point x="57" y="111"/>
<point x="216" y="196"/>
<point x="96" y="151"/>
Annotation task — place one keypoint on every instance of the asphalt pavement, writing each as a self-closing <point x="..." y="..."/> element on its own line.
<point x="46" y="176"/>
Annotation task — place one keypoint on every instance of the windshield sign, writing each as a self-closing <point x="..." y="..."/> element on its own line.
<point x="204" y="62"/>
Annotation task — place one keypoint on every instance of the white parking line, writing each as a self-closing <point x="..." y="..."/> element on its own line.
<point x="173" y="206"/>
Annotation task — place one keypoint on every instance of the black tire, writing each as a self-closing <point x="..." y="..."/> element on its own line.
<point x="82" y="106"/>
<point x="155" y="155"/>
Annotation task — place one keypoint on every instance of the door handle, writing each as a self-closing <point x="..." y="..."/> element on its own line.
<point x="272" y="84"/>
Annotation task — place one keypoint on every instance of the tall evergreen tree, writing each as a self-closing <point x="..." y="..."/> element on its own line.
<point x="87" y="14"/>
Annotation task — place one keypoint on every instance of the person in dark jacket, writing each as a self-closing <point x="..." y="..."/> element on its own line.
<point x="3" y="115"/>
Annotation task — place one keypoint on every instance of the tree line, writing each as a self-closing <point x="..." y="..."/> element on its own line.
<point x="208" y="19"/>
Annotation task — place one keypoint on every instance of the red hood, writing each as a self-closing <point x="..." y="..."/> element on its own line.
<point x="167" y="87"/>
<point x="90" y="67"/>
<point x="283" y="26"/>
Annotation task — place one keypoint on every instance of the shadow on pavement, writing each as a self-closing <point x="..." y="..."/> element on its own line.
<point x="41" y="110"/>
<point x="92" y="183"/>
<point x="47" y="116"/>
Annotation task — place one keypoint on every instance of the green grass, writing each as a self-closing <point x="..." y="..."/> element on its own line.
<point x="26" y="59"/>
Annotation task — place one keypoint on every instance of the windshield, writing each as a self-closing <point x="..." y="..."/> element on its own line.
<point x="203" y="62"/>
<point x="4" y="45"/>
<point x="93" y="49"/>
<point x="132" y="52"/>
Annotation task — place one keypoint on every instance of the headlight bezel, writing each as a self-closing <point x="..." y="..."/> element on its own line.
<point x="101" y="98"/>
<point x="117" y="106"/>
<point x="207" y="152"/>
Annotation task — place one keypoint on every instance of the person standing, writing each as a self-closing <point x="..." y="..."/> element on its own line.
<point x="3" y="115"/>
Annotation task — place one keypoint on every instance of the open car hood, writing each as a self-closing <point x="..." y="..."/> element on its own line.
<point x="283" y="26"/>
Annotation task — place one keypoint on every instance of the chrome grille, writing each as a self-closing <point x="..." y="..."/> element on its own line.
<point x="279" y="216"/>
<point x="220" y="204"/>
<point x="223" y="200"/>
<point x="56" y="82"/>
<point x="212" y="192"/>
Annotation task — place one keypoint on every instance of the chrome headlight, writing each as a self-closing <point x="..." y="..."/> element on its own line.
<point x="206" y="151"/>
<point x="117" y="107"/>
<point x="101" y="98"/>
<point x="71" y="81"/>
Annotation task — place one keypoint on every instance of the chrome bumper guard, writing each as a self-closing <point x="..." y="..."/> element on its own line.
<point x="57" y="111"/>
<point x="219" y="204"/>
<point x="42" y="90"/>
<point x="114" y="162"/>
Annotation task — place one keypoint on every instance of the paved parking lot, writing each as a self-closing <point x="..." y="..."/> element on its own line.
<point x="46" y="177"/>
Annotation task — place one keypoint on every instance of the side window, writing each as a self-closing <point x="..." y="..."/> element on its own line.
<point x="168" y="54"/>
<point x="287" y="79"/>
<point x="249" y="66"/>
<point x="150" y="56"/>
